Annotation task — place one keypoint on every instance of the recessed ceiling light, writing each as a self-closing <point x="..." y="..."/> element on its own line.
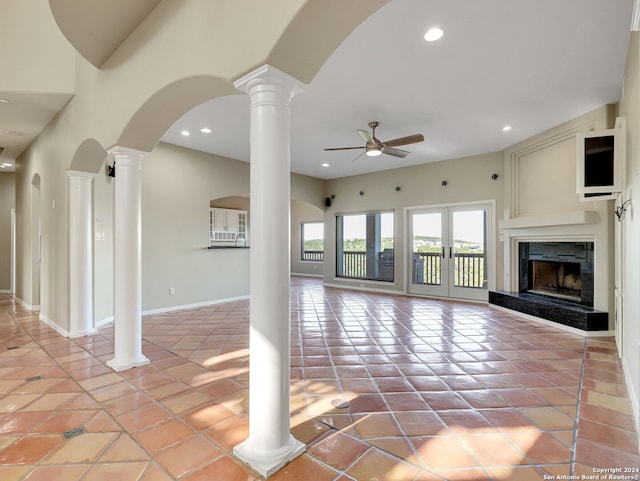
<point x="506" y="128"/>
<point x="433" y="34"/>
<point x="185" y="133"/>
<point x="205" y="130"/>
<point x="325" y="165"/>
<point x="4" y="101"/>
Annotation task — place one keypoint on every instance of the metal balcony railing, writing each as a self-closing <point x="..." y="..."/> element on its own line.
<point x="313" y="255"/>
<point x="468" y="271"/>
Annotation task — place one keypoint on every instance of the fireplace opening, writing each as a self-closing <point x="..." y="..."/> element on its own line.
<point x="559" y="270"/>
<point x="553" y="278"/>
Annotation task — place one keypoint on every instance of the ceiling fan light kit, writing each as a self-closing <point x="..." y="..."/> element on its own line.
<point x="374" y="147"/>
<point x="373" y="152"/>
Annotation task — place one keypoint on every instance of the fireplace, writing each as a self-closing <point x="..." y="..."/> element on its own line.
<point x="553" y="278"/>
<point x="562" y="270"/>
<point x="556" y="283"/>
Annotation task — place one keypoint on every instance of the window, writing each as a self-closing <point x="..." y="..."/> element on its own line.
<point x="312" y="241"/>
<point x="365" y="246"/>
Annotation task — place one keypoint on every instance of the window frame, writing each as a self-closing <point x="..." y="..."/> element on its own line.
<point x="302" y="239"/>
<point x="376" y="257"/>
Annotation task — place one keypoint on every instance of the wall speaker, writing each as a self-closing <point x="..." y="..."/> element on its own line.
<point x="327" y="201"/>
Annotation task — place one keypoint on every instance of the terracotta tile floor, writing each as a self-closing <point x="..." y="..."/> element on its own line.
<point x="384" y="388"/>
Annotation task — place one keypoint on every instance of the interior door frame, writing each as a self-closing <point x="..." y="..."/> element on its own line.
<point x="490" y="259"/>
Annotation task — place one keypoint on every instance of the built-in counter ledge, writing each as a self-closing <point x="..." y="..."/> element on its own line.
<point x="228" y="247"/>
<point x="549" y="220"/>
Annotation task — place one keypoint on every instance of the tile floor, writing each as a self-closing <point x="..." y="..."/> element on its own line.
<point x="384" y="388"/>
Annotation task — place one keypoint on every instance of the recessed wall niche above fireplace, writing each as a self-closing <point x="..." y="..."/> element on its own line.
<point x="558" y="270"/>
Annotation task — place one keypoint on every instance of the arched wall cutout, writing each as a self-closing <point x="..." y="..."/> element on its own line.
<point x="89" y="157"/>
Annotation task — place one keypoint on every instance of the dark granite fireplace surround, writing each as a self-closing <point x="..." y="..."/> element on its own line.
<point x="564" y="256"/>
<point x="566" y="292"/>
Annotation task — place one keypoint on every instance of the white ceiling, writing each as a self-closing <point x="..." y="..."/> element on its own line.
<point x="23" y="115"/>
<point x="531" y="64"/>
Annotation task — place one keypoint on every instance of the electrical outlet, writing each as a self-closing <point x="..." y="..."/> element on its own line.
<point x="172" y="290"/>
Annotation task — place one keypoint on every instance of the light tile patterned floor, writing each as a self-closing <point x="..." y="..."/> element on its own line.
<point x="384" y="388"/>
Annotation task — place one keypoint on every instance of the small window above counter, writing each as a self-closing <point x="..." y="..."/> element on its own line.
<point x="228" y="228"/>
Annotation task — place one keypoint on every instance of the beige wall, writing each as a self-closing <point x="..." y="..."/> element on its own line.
<point x="7" y="204"/>
<point x="44" y="208"/>
<point x="40" y="62"/>
<point x="468" y="181"/>
<point x="179" y="186"/>
<point x="103" y="248"/>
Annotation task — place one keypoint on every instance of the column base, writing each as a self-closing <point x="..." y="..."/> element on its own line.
<point x="269" y="465"/>
<point x="124" y="364"/>
<point x="88" y="332"/>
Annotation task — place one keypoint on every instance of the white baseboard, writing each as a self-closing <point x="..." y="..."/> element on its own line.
<point x="304" y="274"/>
<point x="104" y="322"/>
<point x="53" y="325"/>
<point x="5" y="291"/>
<point x="557" y="325"/>
<point x="162" y="310"/>
<point x="88" y="332"/>
<point x="27" y="306"/>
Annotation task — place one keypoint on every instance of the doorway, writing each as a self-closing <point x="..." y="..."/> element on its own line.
<point x="448" y="248"/>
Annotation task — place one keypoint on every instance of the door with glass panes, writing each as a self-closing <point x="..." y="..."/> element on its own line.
<point x="448" y="249"/>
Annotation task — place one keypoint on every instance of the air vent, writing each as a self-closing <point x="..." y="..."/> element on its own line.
<point x="1" y="150"/>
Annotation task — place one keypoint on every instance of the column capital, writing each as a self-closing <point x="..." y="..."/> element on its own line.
<point x="268" y="74"/>
<point x="121" y="151"/>
<point x="81" y="174"/>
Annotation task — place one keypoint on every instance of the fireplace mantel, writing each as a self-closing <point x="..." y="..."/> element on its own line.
<point x="549" y="220"/>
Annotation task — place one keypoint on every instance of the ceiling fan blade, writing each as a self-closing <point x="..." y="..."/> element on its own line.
<point x="365" y="136"/>
<point x="344" y="148"/>
<point x="394" y="152"/>
<point x="410" y="139"/>
<point x="359" y="155"/>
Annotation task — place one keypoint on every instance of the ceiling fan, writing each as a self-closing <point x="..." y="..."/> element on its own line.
<point x="374" y="147"/>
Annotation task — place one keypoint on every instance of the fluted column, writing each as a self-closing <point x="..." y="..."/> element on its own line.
<point x="80" y="254"/>
<point x="270" y="444"/>
<point x="127" y="253"/>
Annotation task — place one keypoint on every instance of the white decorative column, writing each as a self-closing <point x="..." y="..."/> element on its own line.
<point x="80" y="254"/>
<point x="270" y="444"/>
<point x="127" y="247"/>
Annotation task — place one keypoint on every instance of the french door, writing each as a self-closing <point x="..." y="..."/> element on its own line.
<point x="448" y="249"/>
